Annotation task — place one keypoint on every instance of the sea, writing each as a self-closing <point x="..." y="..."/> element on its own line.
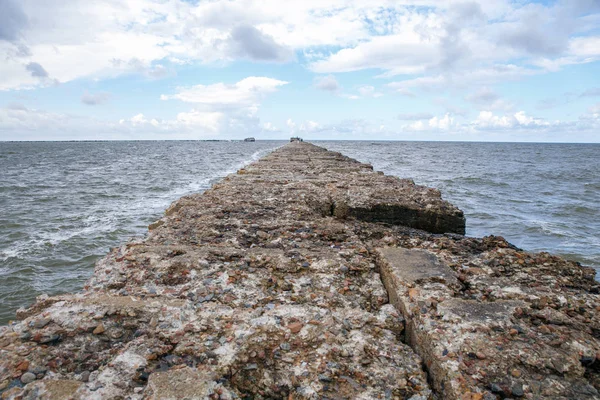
<point x="63" y="205"/>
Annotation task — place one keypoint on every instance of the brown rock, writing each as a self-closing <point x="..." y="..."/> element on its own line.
<point x="544" y="329"/>
<point x="23" y="366"/>
<point x="99" y="330"/>
<point x="413" y="293"/>
<point x="295" y="327"/>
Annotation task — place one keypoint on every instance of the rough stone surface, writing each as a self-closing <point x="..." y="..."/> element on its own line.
<point x="496" y="335"/>
<point x="182" y="383"/>
<point x="269" y="285"/>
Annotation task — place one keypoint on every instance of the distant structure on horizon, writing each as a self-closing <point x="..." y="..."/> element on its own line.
<point x="249" y="139"/>
<point x="296" y="139"/>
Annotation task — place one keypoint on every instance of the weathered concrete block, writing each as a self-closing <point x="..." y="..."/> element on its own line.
<point x="413" y="266"/>
<point x="474" y="348"/>
<point x="54" y="389"/>
<point x="179" y="384"/>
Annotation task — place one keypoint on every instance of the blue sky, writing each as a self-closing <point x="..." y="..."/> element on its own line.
<point x="482" y="70"/>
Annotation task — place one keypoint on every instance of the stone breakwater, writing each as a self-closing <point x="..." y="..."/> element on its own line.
<point x="307" y="275"/>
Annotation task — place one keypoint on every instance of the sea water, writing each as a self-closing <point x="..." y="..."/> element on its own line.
<point x="63" y="205"/>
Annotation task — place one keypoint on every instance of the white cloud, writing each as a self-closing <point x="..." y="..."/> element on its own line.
<point x="594" y="111"/>
<point x="211" y="121"/>
<point x="398" y="54"/>
<point x="100" y="39"/>
<point x="506" y="124"/>
<point x="93" y="99"/>
<point x="441" y="123"/>
<point x="369" y="91"/>
<point x="415" y="126"/>
<point x="426" y="82"/>
<point x="20" y="123"/>
<point x="223" y="108"/>
<point x="415" y="116"/>
<point x="18" y="117"/>
<point x="248" y="42"/>
<point x="434" y="123"/>
<point x="489" y="99"/>
<point x="484" y="95"/>
<point x="246" y="92"/>
<point x="269" y="127"/>
<point x="487" y="119"/>
<point x="327" y="83"/>
<point x="307" y="126"/>
<point x="464" y="79"/>
<point x="460" y="47"/>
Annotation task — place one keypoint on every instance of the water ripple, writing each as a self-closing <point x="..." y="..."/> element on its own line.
<point x="65" y="204"/>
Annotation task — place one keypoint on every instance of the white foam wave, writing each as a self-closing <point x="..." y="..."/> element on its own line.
<point x="111" y="218"/>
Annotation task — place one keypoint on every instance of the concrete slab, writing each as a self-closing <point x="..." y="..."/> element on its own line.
<point x="479" y="312"/>
<point x="412" y="266"/>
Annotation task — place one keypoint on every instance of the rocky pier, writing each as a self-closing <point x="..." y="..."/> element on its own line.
<point x="307" y="275"/>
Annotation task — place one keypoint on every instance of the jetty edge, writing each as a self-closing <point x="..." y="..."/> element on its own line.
<point x="307" y="275"/>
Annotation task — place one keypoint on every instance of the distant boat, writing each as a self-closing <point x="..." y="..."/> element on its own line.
<point x="249" y="139"/>
<point x="296" y="139"/>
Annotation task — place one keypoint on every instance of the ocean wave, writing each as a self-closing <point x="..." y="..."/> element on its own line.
<point x="114" y="190"/>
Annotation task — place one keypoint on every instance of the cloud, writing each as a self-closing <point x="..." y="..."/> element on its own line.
<point x="434" y="123"/>
<point x="444" y="122"/>
<point x="567" y="97"/>
<point x="536" y="30"/>
<point x="591" y="92"/>
<point x="305" y="127"/>
<point x="397" y="54"/>
<point x="488" y="120"/>
<point x="510" y="123"/>
<point x="211" y="121"/>
<point x="454" y="47"/>
<point x="222" y="108"/>
<point x="484" y="95"/>
<point x="95" y="99"/>
<point x="246" y="92"/>
<point x="145" y="68"/>
<point x="249" y="42"/>
<point x="548" y="103"/>
<point x="415" y="116"/>
<point x="369" y="91"/>
<point x="424" y="82"/>
<point x="593" y="113"/>
<point x="487" y="98"/>
<point x="22" y="123"/>
<point x="355" y="127"/>
<point x="12" y="20"/>
<point x="157" y="72"/>
<point x="423" y="37"/>
<point x="20" y="119"/>
<point x="327" y="83"/>
<point x="269" y="127"/>
<point x="36" y="70"/>
<point x="330" y="84"/>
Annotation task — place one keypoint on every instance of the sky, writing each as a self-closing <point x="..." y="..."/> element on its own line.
<point x="475" y="70"/>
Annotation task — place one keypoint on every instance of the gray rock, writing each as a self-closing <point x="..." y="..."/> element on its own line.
<point x="27" y="377"/>
<point x="517" y="390"/>
<point x="42" y="322"/>
<point x="85" y="376"/>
